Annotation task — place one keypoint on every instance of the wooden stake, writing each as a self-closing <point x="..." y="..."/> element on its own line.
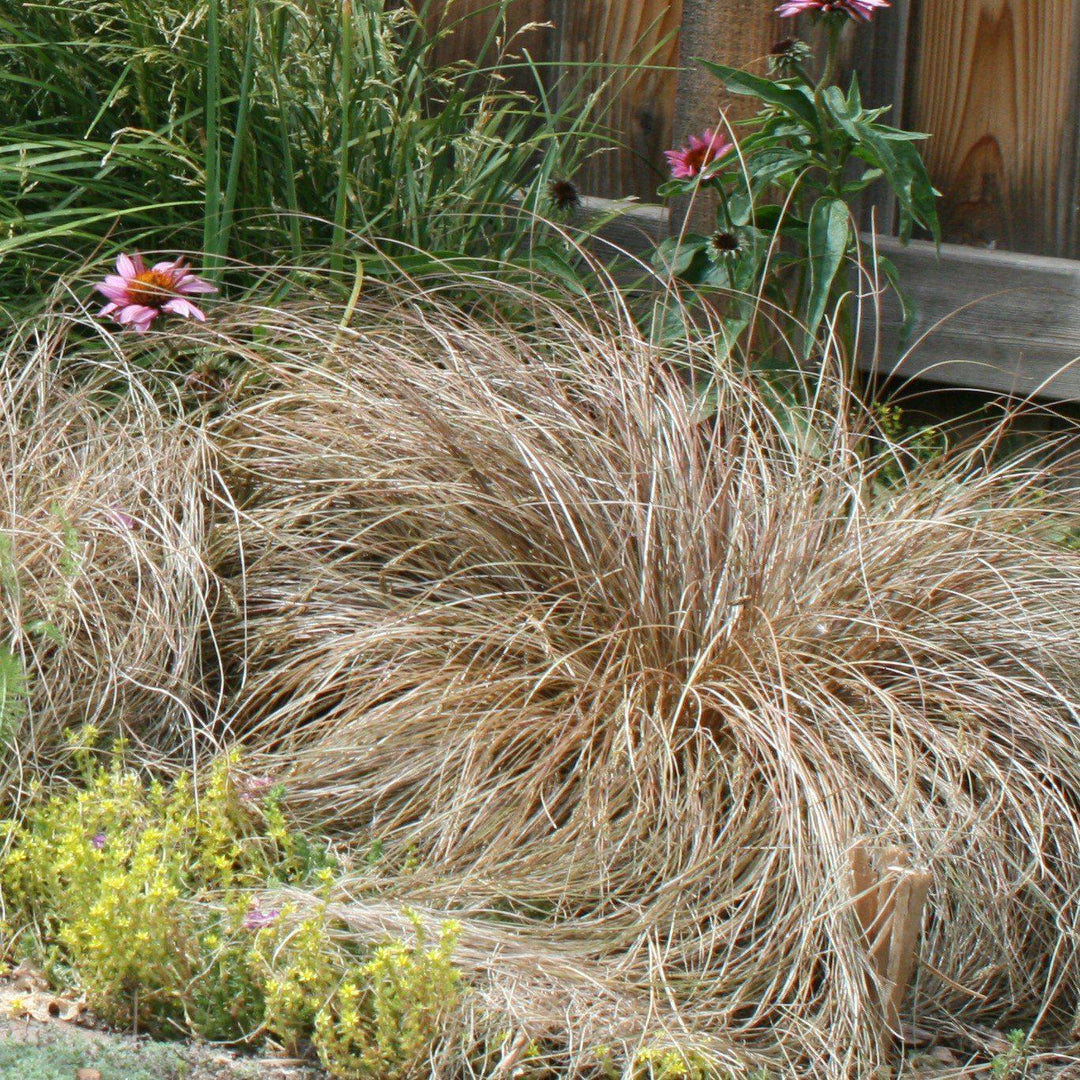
<point x="889" y="898"/>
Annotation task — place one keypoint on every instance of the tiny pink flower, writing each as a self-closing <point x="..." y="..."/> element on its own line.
<point x="257" y="919"/>
<point x="137" y="295"/>
<point x="857" y="9"/>
<point x="97" y="841"/>
<point x="251" y="787"/>
<point x="702" y="150"/>
<point x="123" y="519"/>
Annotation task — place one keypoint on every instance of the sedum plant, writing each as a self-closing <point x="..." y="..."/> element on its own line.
<point x="143" y="895"/>
<point x="785" y="190"/>
<point x="139" y="892"/>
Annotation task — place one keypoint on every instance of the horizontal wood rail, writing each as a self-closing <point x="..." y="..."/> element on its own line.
<point x="986" y="320"/>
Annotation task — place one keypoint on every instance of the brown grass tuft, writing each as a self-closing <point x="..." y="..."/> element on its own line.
<point x="680" y="697"/>
<point x="103" y="525"/>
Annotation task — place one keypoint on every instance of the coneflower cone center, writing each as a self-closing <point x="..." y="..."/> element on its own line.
<point x="151" y="288"/>
<point x="700" y="156"/>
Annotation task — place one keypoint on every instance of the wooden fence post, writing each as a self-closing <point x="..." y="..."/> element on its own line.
<point x="996" y="83"/>
<point x="888" y="897"/>
<point x="726" y="32"/>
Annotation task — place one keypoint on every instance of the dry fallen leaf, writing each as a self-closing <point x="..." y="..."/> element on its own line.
<point x="944" y="1055"/>
<point x="87" y="1074"/>
<point x="27" y="978"/>
<point x="43" y="1006"/>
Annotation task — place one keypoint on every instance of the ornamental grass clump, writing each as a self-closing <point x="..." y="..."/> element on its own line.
<point x="103" y="525"/>
<point x="707" y="715"/>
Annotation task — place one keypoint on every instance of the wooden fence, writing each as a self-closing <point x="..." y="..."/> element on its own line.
<point x="996" y="83"/>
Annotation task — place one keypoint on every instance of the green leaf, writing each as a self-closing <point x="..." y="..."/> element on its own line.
<point x="675" y="254"/>
<point x="906" y="173"/>
<point x="840" y="111"/>
<point x="827" y="239"/>
<point x="854" y="98"/>
<point x="770" y="164"/>
<point x="896" y="134"/>
<point x="888" y="268"/>
<point x="46" y="629"/>
<point x="853" y="187"/>
<point x="919" y="191"/>
<point x="547" y="260"/>
<point x="795" y="101"/>
<point x="740" y="207"/>
<point x="667" y="322"/>
<point x="13" y="693"/>
<point x="676" y="187"/>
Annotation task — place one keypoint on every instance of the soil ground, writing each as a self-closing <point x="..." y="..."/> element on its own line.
<point x="50" y="1047"/>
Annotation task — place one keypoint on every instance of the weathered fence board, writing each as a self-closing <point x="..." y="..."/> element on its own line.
<point x="470" y="22"/>
<point x="648" y="111"/>
<point x="640" y="105"/>
<point x="994" y="81"/>
<point x="1008" y="324"/>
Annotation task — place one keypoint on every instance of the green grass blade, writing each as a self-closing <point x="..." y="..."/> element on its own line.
<point x="341" y="203"/>
<point x="212" y="212"/>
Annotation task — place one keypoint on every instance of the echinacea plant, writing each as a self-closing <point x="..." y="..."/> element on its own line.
<point x="785" y="228"/>
<point x="137" y="294"/>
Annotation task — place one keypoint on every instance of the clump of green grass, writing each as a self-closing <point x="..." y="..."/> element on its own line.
<point x="299" y="131"/>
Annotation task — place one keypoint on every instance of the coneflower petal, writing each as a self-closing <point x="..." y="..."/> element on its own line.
<point x="192" y="284"/>
<point x="179" y="306"/>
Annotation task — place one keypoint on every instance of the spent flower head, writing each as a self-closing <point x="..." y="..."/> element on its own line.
<point x="857" y="9"/>
<point x="725" y="245"/>
<point x="702" y="150"/>
<point x="137" y="294"/>
<point x="563" y="194"/>
<point x="787" y="55"/>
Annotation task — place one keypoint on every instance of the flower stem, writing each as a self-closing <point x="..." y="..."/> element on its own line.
<point x="833" y="29"/>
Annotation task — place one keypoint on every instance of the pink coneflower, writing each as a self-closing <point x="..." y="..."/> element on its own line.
<point x="703" y="149"/>
<point x="857" y="9"/>
<point x="137" y="295"/>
